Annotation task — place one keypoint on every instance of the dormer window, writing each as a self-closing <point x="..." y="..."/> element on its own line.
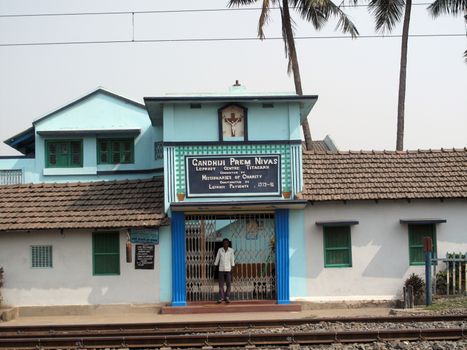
<point x="115" y="151"/>
<point x="64" y="153"/>
<point x="233" y="123"/>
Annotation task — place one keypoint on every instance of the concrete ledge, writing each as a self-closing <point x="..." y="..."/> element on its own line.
<point x="354" y="304"/>
<point x="234" y="307"/>
<point x="9" y="314"/>
<point x="81" y="310"/>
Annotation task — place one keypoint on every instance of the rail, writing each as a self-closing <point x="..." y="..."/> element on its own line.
<point x="199" y="334"/>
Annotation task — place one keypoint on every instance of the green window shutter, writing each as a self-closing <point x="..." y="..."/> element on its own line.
<point x="76" y="154"/>
<point x="106" y="253"/>
<point x="103" y="152"/>
<point x="416" y="234"/>
<point x="51" y="156"/>
<point x="64" y="154"/>
<point x="337" y="246"/>
<point x="41" y="256"/>
<point x="115" y="151"/>
<point x="126" y="155"/>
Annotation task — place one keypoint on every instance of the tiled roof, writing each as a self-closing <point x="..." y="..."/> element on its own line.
<point x="385" y="175"/>
<point x="105" y="204"/>
<point x="318" y="146"/>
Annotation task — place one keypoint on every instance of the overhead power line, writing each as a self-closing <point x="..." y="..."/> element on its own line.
<point x="227" y="9"/>
<point x="91" y="42"/>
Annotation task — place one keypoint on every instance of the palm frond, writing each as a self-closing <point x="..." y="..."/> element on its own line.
<point x="318" y="13"/>
<point x="343" y="21"/>
<point x="238" y="3"/>
<point x="387" y="13"/>
<point x="263" y="18"/>
<point x="449" y="7"/>
<point x="313" y="11"/>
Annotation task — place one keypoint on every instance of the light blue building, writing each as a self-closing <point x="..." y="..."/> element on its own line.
<point x="115" y="202"/>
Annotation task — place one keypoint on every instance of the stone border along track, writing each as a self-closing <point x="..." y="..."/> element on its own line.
<point x="233" y="333"/>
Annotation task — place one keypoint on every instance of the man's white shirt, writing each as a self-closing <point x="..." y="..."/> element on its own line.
<point x="225" y="259"/>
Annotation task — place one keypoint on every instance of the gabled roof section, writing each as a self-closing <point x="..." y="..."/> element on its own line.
<point x="154" y="104"/>
<point x="99" y="90"/>
<point x="373" y="175"/>
<point x="93" y="205"/>
<point x="24" y="142"/>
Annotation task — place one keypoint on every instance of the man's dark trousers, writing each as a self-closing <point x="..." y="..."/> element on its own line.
<point x="224" y="276"/>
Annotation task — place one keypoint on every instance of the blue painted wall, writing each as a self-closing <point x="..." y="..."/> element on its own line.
<point x="27" y="165"/>
<point x="98" y="111"/>
<point x="297" y="254"/>
<point x="182" y="123"/>
<point x="165" y="261"/>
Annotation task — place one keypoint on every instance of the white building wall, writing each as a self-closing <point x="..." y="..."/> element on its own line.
<point x="380" y="246"/>
<point x="70" y="281"/>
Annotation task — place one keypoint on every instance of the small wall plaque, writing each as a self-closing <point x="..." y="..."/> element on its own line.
<point x="144" y="236"/>
<point x="144" y="257"/>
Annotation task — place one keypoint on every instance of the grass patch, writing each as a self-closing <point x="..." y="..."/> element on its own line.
<point x="458" y="302"/>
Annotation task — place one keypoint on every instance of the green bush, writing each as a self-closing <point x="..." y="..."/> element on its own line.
<point x="441" y="282"/>
<point x="418" y="285"/>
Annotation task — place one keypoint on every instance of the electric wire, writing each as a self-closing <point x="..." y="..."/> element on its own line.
<point x="227" y="9"/>
<point x="123" y="41"/>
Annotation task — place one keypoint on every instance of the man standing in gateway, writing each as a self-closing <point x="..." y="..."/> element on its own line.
<point x="225" y="260"/>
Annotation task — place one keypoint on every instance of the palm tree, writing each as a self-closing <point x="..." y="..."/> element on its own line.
<point x="388" y="14"/>
<point x="449" y="7"/>
<point x="315" y="11"/>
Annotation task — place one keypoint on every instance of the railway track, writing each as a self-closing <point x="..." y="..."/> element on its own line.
<point x="221" y="334"/>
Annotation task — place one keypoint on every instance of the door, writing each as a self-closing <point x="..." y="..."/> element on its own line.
<point x="252" y="237"/>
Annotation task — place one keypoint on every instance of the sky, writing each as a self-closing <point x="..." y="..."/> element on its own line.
<point x="356" y="80"/>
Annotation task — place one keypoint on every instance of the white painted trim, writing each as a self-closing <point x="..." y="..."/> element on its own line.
<point x="70" y="171"/>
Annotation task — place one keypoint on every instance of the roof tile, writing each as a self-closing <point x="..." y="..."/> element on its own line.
<point x="103" y="204"/>
<point x="375" y="175"/>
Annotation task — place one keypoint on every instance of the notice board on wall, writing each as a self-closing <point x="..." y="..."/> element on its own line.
<point x="144" y="257"/>
<point x="235" y="175"/>
<point x="144" y="235"/>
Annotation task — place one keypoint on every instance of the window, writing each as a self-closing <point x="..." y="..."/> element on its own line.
<point x="64" y="154"/>
<point x="113" y="151"/>
<point x="158" y="150"/>
<point x="416" y="234"/>
<point x="106" y="253"/>
<point x="337" y="246"/>
<point x="41" y="256"/>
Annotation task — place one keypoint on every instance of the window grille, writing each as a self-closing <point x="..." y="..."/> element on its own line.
<point x="64" y="153"/>
<point x="41" y="256"/>
<point x="158" y="150"/>
<point x="115" y="151"/>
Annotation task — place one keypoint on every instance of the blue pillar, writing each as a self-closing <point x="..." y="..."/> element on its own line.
<point x="282" y="256"/>
<point x="178" y="259"/>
